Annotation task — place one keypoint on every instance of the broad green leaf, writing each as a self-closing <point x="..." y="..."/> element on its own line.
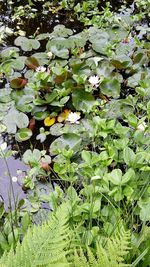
<point x="145" y="211"/>
<point x="115" y="176"/>
<point x="83" y="101"/>
<point x="86" y="156"/>
<point x="130" y="174"/>
<point x="110" y="87"/>
<point x="129" y="156"/>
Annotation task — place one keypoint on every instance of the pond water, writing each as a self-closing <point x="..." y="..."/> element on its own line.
<point x="6" y="182"/>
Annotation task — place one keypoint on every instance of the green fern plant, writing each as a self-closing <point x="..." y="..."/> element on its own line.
<point x="113" y="255"/>
<point x="43" y="246"/>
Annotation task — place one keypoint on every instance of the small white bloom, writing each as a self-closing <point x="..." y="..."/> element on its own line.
<point x="40" y="69"/>
<point x="73" y="117"/>
<point x="3" y="146"/>
<point x="50" y="54"/>
<point x="142" y="126"/>
<point x="14" y="179"/>
<point x="94" y="80"/>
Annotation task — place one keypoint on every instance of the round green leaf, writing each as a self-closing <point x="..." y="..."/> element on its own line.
<point x="23" y="134"/>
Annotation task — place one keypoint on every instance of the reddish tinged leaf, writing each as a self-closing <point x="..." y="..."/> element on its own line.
<point x="18" y="83"/>
<point x="32" y="63"/>
<point x="60" y="79"/>
<point x="31" y="124"/>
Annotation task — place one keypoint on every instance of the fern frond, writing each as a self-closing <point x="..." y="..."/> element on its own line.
<point x="113" y="255"/>
<point x="80" y="259"/>
<point x="91" y="258"/>
<point x="43" y="246"/>
<point x="118" y="248"/>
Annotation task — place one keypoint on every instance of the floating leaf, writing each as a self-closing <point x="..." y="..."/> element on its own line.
<point x="15" y="119"/>
<point x="56" y="129"/>
<point x="69" y="140"/>
<point x="60" y="52"/>
<point x="10" y="51"/>
<point x="18" y="83"/>
<point x="23" y="134"/>
<point x="30" y="157"/>
<point x="32" y="63"/>
<point x="26" y="43"/>
<point x="110" y="87"/>
<point x="83" y="101"/>
<point x="49" y="121"/>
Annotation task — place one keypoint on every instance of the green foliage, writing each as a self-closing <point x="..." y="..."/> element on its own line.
<point x="113" y="254"/>
<point x="101" y="158"/>
<point x="43" y="246"/>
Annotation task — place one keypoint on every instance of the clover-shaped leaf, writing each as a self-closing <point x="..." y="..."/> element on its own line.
<point x="15" y="119"/>
<point x="26" y="43"/>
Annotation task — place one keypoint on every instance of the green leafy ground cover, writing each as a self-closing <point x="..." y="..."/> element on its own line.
<point x="79" y="103"/>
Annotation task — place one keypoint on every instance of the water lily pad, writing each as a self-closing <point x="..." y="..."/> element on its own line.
<point x="42" y="58"/>
<point x="69" y="140"/>
<point x="15" y="119"/>
<point x="110" y="87"/>
<point x="61" y="30"/>
<point x="32" y="63"/>
<point x="83" y="101"/>
<point x="23" y="134"/>
<point x="18" y="83"/>
<point x="18" y="63"/>
<point x="60" y="52"/>
<point x="27" y="44"/>
<point x="121" y="62"/>
<point x="56" y="129"/>
<point x="10" y="51"/>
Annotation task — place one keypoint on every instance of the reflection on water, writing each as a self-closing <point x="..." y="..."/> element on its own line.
<point x="5" y="183"/>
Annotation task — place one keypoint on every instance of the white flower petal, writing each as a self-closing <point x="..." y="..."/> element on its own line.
<point x="40" y="69"/>
<point x="14" y="179"/>
<point x="94" y="80"/>
<point x="73" y="117"/>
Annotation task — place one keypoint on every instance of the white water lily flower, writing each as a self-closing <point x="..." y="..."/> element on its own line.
<point x="40" y="69"/>
<point x="142" y="126"/>
<point x="73" y="117"/>
<point x="3" y="146"/>
<point x="94" y="80"/>
<point x="14" y="179"/>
